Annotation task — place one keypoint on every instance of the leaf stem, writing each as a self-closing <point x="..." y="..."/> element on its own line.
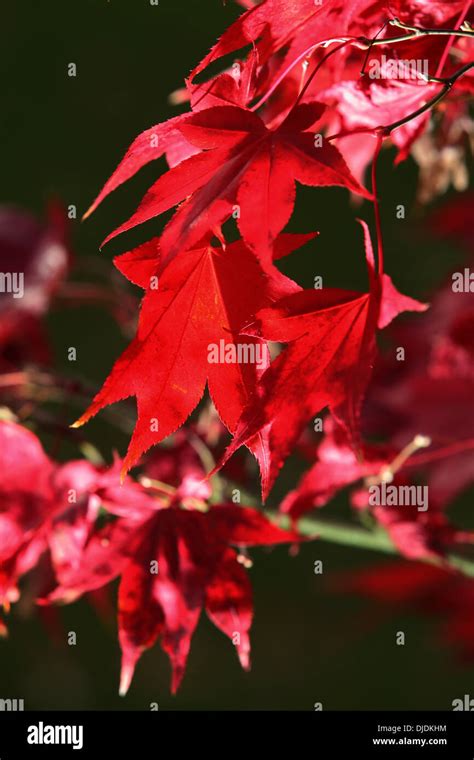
<point x="458" y="447"/>
<point x="348" y="534"/>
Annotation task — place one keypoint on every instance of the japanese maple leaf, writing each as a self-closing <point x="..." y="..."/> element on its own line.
<point x="328" y="362"/>
<point x="417" y="534"/>
<point x="173" y="563"/>
<point x="428" y="395"/>
<point x="442" y="408"/>
<point x="243" y="166"/>
<point x="204" y="298"/>
<point x="73" y="523"/>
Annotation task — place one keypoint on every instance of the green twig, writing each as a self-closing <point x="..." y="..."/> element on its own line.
<point x="348" y="534"/>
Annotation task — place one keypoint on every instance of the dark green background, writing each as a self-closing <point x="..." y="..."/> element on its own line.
<point x="62" y="136"/>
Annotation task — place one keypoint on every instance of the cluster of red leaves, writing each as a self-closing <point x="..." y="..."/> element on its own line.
<point x="78" y="528"/>
<point x="223" y="157"/>
<point x="226" y="161"/>
<point x="173" y="550"/>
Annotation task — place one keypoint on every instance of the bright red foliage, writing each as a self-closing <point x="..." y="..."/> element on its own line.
<point x="301" y="106"/>
<point x="51" y="511"/>
<point x="229" y="161"/>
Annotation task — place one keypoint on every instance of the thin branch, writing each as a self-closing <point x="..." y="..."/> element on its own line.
<point x="419" y="31"/>
<point x="448" y="84"/>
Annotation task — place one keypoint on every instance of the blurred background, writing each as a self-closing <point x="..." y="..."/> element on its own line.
<point x="60" y="139"/>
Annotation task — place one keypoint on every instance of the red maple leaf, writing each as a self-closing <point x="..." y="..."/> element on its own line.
<point x="243" y="166"/>
<point x="188" y="333"/>
<point x="173" y="563"/>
